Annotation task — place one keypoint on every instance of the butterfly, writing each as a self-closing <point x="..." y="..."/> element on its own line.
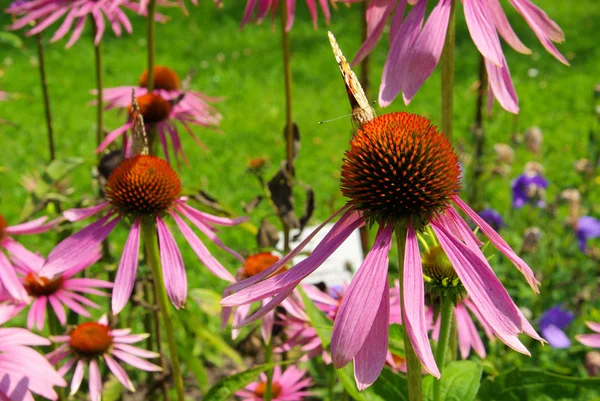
<point x="361" y="108"/>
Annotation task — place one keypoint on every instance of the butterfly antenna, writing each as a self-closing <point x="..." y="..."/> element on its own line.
<point x="333" y="119"/>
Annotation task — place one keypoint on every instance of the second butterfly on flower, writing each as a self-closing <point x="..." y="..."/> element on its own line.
<point x="401" y="173"/>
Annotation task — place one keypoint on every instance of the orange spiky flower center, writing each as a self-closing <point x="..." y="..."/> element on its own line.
<point x="144" y="185"/>
<point x="37" y="286"/>
<point x="259" y="262"/>
<point x="153" y="107"/>
<point x="91" y="339"/>
<point x="399" y="167"/>
<point x="3" y="225"/>
<point x="262" y="388"/>
<point x="164" y="78"/>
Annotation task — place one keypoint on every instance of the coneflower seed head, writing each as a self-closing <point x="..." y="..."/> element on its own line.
<point x="91" y="339"/>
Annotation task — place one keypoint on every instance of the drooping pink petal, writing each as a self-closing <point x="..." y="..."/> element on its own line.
<point x="21" y="256"/>
<point x="248" y="11"/>
<point x="95" y="381"/>
<point x="36" y="226"/>
<point x="468" y="335"/>
<point x="77" y="31"/>
<point x="77" y="376"/>
<point x="126" y="272"/>
<point x="413" y="310"/>
<point x="10" y="336"/>
<point x="172" y="265"/>
<point x="72" y="250"/>
<point x="58" y="309"/>
<point x="266" y="327"/>
<point x="499" y="243"/>
<point x="502" y="86"/>
<point x="206" y="217"/>
<point x="112" y="136"/>
<point x="49" y="20"/>
<point x="377" y="15"/>
<point x="119" y="372"/>
<point x="136" y="362"/>
<point x="291" y="11"/>
<point x="483" y="30"/>
<point x="370" y="359"/>
<point x="136" y="351"/>
<point x="80" y="214"/>
<point x="71" y="304"/>
<point x="9" y="279"/>
<point x="99" y="25"/>
<point x="504" y="28"/>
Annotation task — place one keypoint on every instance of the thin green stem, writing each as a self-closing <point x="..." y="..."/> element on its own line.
<point x="413" y="364"/>
<point x="269" y="373"/>
<point x="447" y="62"/>
<point x="443" y="341"/>
<point x="331" y="384"/>
<point x="99" y="89"/>
<point x="44" y="81"/>
<point x="54" y="328"/>
<point x="289" y="129"/>
<point x="150" y="44"/>
<point x="148" y="229"/>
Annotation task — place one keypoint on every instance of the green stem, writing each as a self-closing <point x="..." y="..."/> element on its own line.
<point x="413" y="364"/>
<point x="99" y="88"/>
<point x="269" y="373"/>
<point x="331" y="384"/>
<point x="151" y="243"/>
<point x="443" y="341"/>
<point x="447" y="62"/>
<point x="54" y="328"/>
<point x="150" y="43"/>
<point x="49" y="126"/>
<point x="289" y="130"/>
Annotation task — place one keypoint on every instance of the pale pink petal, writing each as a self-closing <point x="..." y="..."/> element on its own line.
<point x="502" y="87"/>
<point x="291" y="8"/>
<point x="136" y="362"/>
<point x="504" y="28"/>
<point x="136" y="351"/>
<point x="413" y="311"/>
<point x="47" y="21"/>
<point x="58" y="309"/>
<point x="468" y="335"/>
<point x="9" y="279"/>
<point x="483" y="30"/>
<point x="240" y="314"/>
<point x="71" y="304"/>
<point x="593" y="326"/>
<point x="80" y="214"/>
<point x="95" y="381"/>
<point x="21" y="256"/>
<point x="77" y="376"/>
<point x="112" y="136"/>
<point x="36" y="226"/>
<point x="99" y="26"/>
<point x="370" y="359"/>
<point x="590" y="340"/>
<point x="361" y="301"/>
<point x="77" y="31"/>
<point x="119" y="372"/>
<point x="378" y="13"/>
<point x="10" y="336"/>
<point x="172" y="265"/>
<point x="130" y="339"/>
<point x="266" y="327"/>
<point x="126" y="272"/>
<point x="206" y="217"/>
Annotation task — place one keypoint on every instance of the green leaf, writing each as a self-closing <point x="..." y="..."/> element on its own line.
<point x="112" y="390"/>
<point x="319" y="321"/>
<point x="226" y="388"/>
<point x="537" y="385"/>
<point x="396" y="340"/>
<point x="390" y="386"/>
<point x="460" y="382"/>
<point x="11" y="39"/>
<point x="195" y="364"/>
<point x="346" y="376"/>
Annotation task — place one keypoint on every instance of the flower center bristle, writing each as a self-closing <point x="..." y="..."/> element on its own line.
<point x="153" y="107"/>
<point x="3" y="225"/>
<point x="438" y="269"/>
<point x="37" y="286"/>
<point x="164" y="78"/>
<point x="143" y="185"/>
<point x="399" y="166"/>
<point x="259" y="262"/>
<point x="262" y="388"/>
<point x="91" y="339"/>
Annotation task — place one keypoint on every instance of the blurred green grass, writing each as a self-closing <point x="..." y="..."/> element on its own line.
<point x="245" y="68"/>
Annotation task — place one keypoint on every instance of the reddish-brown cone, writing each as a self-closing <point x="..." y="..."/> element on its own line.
<point x="153" y="107"/>
<point x="259" y="262"/>
<point x="91" y="339"/>
<point x="399" y="166"/>
<point x="37" y="286"/>
<point x="143" y="185"/>
<point x="262" y="388"/>
<point x="164" y="78"/>
<point x="3" y="225"/>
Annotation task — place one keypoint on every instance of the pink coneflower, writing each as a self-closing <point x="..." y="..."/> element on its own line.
<point x="90" y="342"/>
<point x="76" y="13"/>
<point x="142" y="188"/>
<point x="8" y="276"/>
<point x="167" y="104"/>
<point x="401" y="173"/>
<point x="415" y="49"/>
<point x="287" y="386"/>
<point x="24" y="370"/>
<point x="591" y="340"/>
<point x="58" y="290"/>
<point x="264" y="7"/>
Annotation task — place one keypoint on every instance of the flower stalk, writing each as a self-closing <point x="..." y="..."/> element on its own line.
<point x="148" y="231"/>
<point x="478" y="136"/>
<point x="46" y="94"/>
<point x="413" y="365"/>
<point x="446" y="314"/>
<point x="447" y="63"/>
<point x="54" y="328"/>
<point x="269" y="373"/>
<point x="99" y="92"/>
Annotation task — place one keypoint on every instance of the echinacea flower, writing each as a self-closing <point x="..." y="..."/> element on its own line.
<point x="264" y="7"/>
<point x="8" y="276"/>
<point x="552" y="323"/>
<point x="24" y="370"/>
<point x="287" y="386"/>
<point x="416" y="45"/>
<point x="76" y="13"/>
<point x="528" y="188"/>
<point x="91" y="342"/>
<point x="58" y="291"/>
<point x="401" y="173"/>
<point x="143" y="190"/>
<point x="167" y="104"/>
<point x="493" y="218"/>
<point x="591" y="340"/>
<point x="587" y="228"/>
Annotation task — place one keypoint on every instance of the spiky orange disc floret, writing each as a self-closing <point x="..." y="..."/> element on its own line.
<point x="261" y="389"/>
<point x="37" y="286"/>
<point x="259" y="262"/>
<point x="164" y="78"/>
<point x="143" y="185"/>
<point x="399" y="167"/>
<point x="3" y="225"/>
<point x="153" y="107"/>
<point x="91" y="339"/>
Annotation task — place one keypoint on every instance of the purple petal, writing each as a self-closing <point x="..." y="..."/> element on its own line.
<point x="377" y="15"/>
<point x="119" y="372"/>
<point x="80" y="214"/>
<point x="556" y="337"/>
<point x="172" y="265"/>
<point x="504" y="28"/>
<point x="483" y="30"/>
<point x="126" y="272"/>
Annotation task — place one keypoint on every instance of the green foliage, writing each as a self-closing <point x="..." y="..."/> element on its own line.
<point x="460" y="382"/>
<point x="321" y="323"/>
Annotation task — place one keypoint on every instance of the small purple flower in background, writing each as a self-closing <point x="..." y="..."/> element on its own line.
<point x="587" y="228"/>
<point x="552" y="323"/>
<point x="287" y="386"/>
<point x="529" y="188"/>
<point x="591" y="340"/>
<point x="493" y="218"/>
